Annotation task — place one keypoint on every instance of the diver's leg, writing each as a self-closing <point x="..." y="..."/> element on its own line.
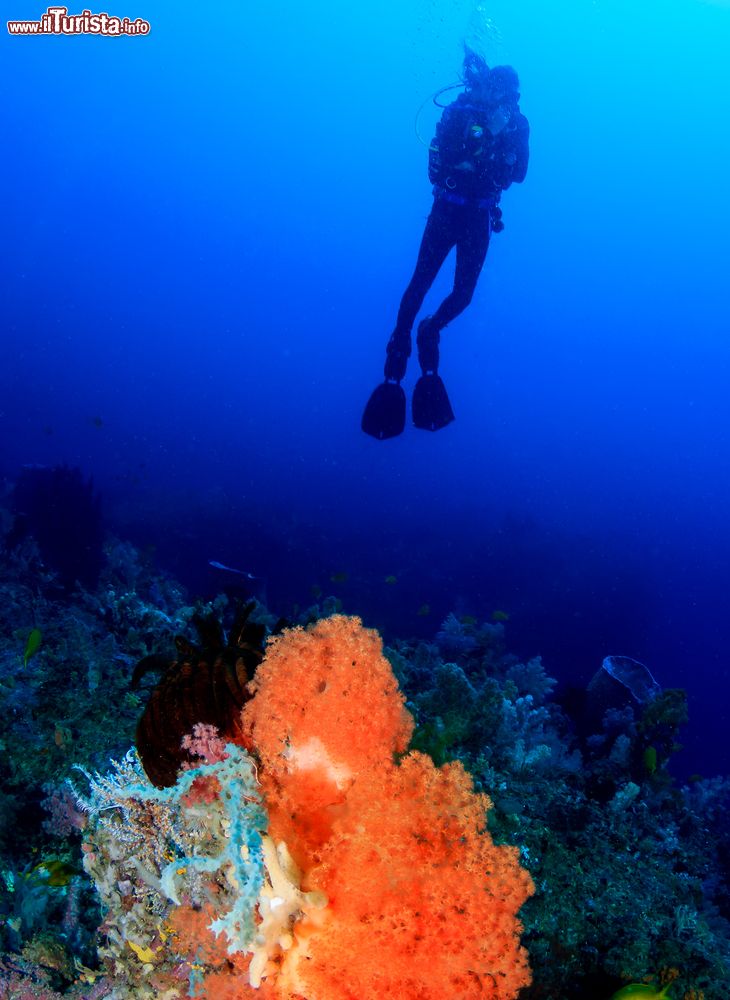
<point x="472" y="244"/>
<point x="438" y="239"/>
<point x="471" y="252"/>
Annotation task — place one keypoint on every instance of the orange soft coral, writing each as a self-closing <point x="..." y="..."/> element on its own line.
<point x="205" y="960"/>
<point x="422" y="905"/>
<point x="420" y="902"/>
<point x="326" y="708"/>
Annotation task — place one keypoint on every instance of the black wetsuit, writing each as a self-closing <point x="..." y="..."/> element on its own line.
<point x="465" y="207"/>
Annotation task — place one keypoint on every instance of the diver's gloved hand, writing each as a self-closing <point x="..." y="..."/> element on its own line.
<point x="397" y="353"/>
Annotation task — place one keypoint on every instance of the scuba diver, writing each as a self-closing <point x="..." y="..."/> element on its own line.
<point x="480" y="148"/>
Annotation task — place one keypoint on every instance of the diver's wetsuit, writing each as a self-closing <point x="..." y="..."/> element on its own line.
<point x="469" y="168"/>
<point x="449" y="225"/>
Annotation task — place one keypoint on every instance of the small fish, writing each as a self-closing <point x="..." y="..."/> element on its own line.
<point x="97" y="422"/>
<point x="32" y="645"/>
<point x="84" y="974"/>
<point x="642" y="990"/>
<point x="391" y="579"/>
<point x="650" y="760"/>
<point x="54" y="871"/>
<point x="62" y="737"/>
<point x="339" y="577"/>
<point x="500" y="616"/>
<point x="229" y="569"/>
<point x="145" y="954"/>
<point x="315" y="591"/>
<point x="468" y="620"/>
<point x="424" y="610"/>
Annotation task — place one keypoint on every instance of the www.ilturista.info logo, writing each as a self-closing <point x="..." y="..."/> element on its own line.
<point x="58" y="21"/>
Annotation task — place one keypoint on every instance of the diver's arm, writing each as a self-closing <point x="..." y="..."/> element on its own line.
<point x="435" y="163"/>
<point x="518" y="155"/>
<point x="446" y="147"/>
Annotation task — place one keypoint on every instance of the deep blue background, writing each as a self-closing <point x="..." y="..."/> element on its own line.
<point x="206" y="235"/>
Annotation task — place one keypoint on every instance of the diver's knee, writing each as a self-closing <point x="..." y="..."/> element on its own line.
<point x="463" y="298"/>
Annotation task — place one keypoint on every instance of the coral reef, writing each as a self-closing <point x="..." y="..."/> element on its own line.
<point x="345" y="852"/>
<point x="400" y="850"/>
<point x="196" y="845"/>
<point x="626" y="882"/>
<point x="630" y="870"/>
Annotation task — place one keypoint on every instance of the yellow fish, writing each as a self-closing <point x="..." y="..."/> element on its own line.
<point x="145" y="955"/>
<point x="54" y="871"/>
<point x="85" y="975"/>
<point x="424" y="610"/>
<point x="500" y="616"/>
<point x="32" y="645"/>
<point x="642" y="990"/>
<point x="339" y="577"/>
<point x="391" y="579"/>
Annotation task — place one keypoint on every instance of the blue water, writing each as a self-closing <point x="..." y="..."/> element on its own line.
<point x="206" y="235"/>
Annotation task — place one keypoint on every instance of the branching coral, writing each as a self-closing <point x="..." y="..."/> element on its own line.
<point x="152" y="851"/>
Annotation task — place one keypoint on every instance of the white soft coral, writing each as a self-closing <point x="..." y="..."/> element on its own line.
<point x="281" y="905"/>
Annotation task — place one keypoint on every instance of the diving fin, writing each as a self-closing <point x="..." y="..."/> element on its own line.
<point x="385" y="413"/>
<point x="431" y="407"/>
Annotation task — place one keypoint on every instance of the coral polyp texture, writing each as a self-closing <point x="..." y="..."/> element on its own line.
<point x="319" y="860"/>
